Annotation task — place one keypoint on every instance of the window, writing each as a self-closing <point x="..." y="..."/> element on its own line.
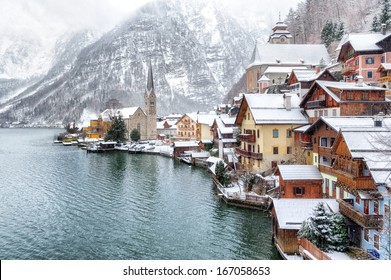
<point x="298" y="191"/>
<point x="369" y="75"/>
<point x="275" y="133"/>
<point x="369" y="60"/>
<point x="350" y="96"/>
<point x="326" y="113"/>
<point x="316" y="114"/>
<point x="376" y="241"/>
<point x="334" y="189"/>
<point x="376" y="206"/>
<point x="365" y="95"/>
<point x="288" y="133"/>
<point x="326" y="184"/>
<point x="366" y="234"/>
<point x="332" y="140"/>
<point x="275" y="150"/>
<point x="358" y="200"/>
<point x="289" y="150"/>
<point x="341" y="193"/>
<point x="334" y="112"/>
<point x="257" y="133"/>
<point x="320" y="113"/>
<point x="314" y="140"/>
<point x="323" y="142"/>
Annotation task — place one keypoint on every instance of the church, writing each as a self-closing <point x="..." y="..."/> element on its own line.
<point x="272" y="62"/>
<point x="145" y="121"/>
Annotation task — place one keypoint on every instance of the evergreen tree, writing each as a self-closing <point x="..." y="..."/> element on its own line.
<point x="327" y="33"/>
<point x="221" y="174"/>
<point x="135" y="135"/>
<point x="340" y="237"/>
<point x="338" y="34"/>
<point x="375" y="24"/>
<point x="385" y="13"/>
<point x="117" y="131"/>
<point x="318" y="228"/>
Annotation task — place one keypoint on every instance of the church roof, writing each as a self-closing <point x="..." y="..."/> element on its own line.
<point x="288" y="54"/>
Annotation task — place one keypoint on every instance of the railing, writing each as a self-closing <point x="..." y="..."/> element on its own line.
<point x="348" y="69"/>
<point x="247" y="138"/>
<point x="249" y="154"/>
<point x="385" y="79"/>
<point x="358" y="183"/>
<point x="324" y="151"/>
<point x="315" y="104"/>
<point x="364" y="220"/>
<point x="312" y="249"/>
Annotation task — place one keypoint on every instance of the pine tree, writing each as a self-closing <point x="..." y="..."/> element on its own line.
<point x="221" y="174"/>
<point x="117" y="131"/>
<point x="375" y="24"/>
<point x="318" y="228"/>
<point x="340" y="237"/>
<point x="327" y="34"/>
<point x="385" y="16"/>
<point x="135" y="135"/>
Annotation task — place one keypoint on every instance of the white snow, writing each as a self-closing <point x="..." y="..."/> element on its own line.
<point x="299" y="172"/>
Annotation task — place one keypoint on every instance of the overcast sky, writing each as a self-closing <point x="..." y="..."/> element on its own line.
<point x="57" y="16"/>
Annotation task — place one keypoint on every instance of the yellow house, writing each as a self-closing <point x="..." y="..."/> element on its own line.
<point x="204" y="128"/>
<point x="97" y="128"/>
<point x="266" y="130"/>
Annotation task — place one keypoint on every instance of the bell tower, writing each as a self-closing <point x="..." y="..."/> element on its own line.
<point x="150" y="106"/>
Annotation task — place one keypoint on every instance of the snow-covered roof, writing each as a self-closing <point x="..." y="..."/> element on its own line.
<point x="366" y="145"/>
<point x="306" y="75"/>
<point x="185" y="144"/>
<point x="354" y="123"/>
<point x="291" y="213"/>
<point x="270" y="109"/>
<point x="206" y="119"/>
<point x="299" y="172"/>
<point x="363" y="41"/>
<point x="282" y="69"/>
<point x="126" y="112"/>
<point x="385" y="66"/>
<point x="288" y="54"/>
<point x="302" y="128"/>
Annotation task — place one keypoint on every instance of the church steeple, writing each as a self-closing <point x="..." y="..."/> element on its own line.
<point x="150" y="86"/>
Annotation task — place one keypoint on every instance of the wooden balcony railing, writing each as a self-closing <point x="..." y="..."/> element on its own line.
<point x="348" y="69"/>
<point x="249" y="154"/>
<point x="363" y="220"/>
<point x="385" y="79"/>
<point x="312" y="249"/>
<point x="247" y="138"/>
<point x="324" y="151"/>
<point x="358" y="183"/>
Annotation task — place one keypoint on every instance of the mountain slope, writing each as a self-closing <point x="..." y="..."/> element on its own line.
<point x="197" y="54"/>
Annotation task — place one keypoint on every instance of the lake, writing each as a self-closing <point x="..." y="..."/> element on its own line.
<point x="60" y="202"/>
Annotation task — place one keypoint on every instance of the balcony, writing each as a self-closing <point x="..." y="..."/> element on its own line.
<point x="324" y="151"/>
<point x="248" y="154"/>
<point x="315" y="104"/>
<point x="348" y="69"/>
<point x="385" y="79"/>
<point x="358" y="183"/>
<point x="363" y="220"/>
<point x="247" y="138"/>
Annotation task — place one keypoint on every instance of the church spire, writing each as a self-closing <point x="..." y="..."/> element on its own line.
<point x="150" y="86"/>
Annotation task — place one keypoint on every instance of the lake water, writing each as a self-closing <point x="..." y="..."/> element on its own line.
<point x="59" y="202"/>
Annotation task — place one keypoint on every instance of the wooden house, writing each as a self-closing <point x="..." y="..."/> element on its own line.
<point x="287" y="218"/>
<point x="299" y="181"/>
<point x="335" y="99"/>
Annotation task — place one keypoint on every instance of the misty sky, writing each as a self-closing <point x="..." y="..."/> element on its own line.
<point x="55" y="16"/>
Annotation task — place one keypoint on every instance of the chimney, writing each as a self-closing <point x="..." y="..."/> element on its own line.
<point x="288" y="101"/>
<point x="317" y="69"/>
<point x="383" y="29"/>
<point x="378" y="119"/>
<point x="359" y="81"/>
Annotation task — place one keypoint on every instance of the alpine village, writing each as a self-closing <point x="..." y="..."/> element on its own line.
<point x="308" y="142"/>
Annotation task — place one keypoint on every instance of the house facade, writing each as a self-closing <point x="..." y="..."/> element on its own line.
<point x="186" y="127"/>
<point x="266" y="124"/>
<point x="326" y="98"/>
<point x="361" y="55"/>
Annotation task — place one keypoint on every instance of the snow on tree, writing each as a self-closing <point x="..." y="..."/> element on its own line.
<point x="325" y="230"/>
<point x="117" y="131"/>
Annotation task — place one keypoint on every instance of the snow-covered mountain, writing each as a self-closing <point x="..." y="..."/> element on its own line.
<point x="197" y="54"/>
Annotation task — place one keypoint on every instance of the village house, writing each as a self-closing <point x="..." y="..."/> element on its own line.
<point x="299" y="181"/>
<point x="362" y="54"/>
<point x="327" y="98"/>
<point x="204" y="130"/>
<point x="362" y="166"/>
<point x="186" y="127"/>
<point x="301" y="80"/>
<point x="266" y="130"/>
<point x="97" y="128"/>
<point x="225" y="137"/>
<point x="166" y="129"/>
<point x="288" y="214"/>
<point x="276" y="59"/>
